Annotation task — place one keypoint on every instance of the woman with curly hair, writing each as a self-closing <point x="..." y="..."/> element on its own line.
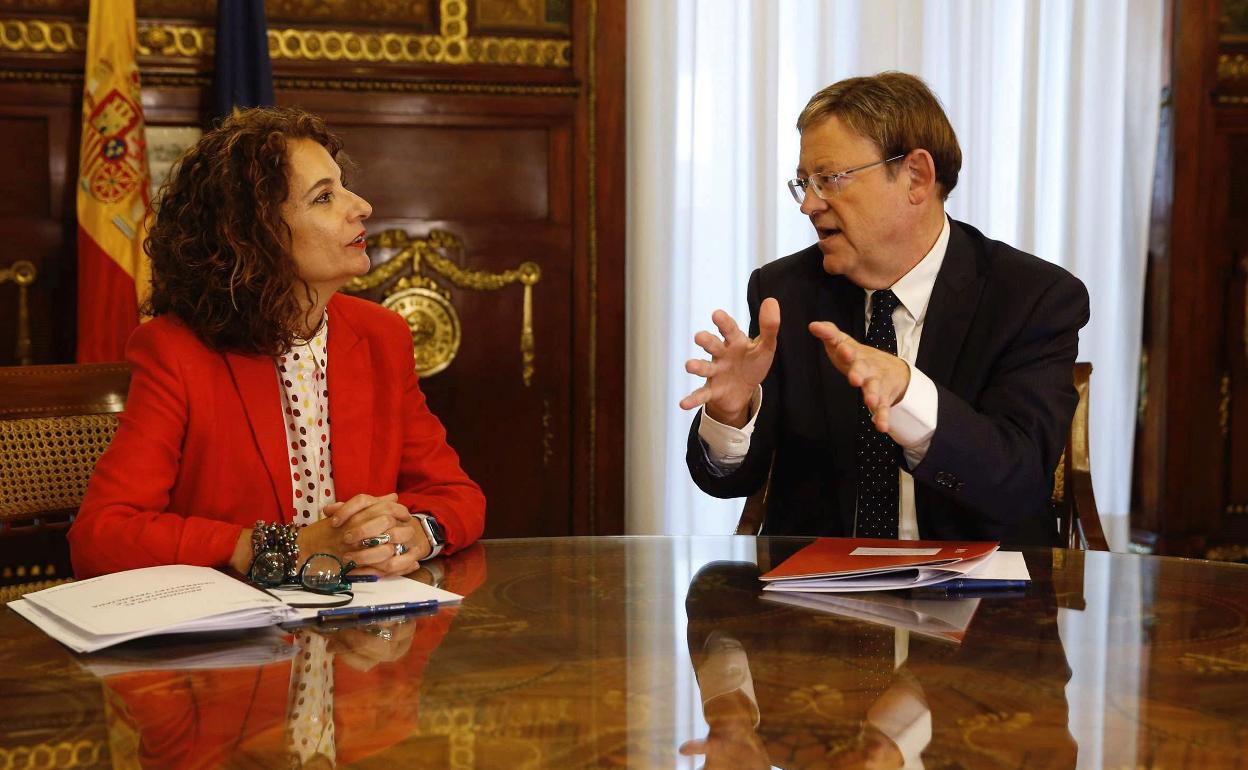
<point x="225" y="449"/>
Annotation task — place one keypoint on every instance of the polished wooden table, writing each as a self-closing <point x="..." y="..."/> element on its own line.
<point x="616" y="652"/>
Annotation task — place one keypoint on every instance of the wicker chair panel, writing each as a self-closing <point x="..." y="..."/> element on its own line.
<point x="11" y="593"/>
<point x="46" y="462"/>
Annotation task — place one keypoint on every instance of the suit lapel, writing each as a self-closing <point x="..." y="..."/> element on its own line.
<point x="351" y="387"/>
<point x="256" y="381"/>
<point x="955" y="298"/>
<point x="841" y="302"/>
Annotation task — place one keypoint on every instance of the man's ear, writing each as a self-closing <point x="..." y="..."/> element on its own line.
<point x="920" y="171"/>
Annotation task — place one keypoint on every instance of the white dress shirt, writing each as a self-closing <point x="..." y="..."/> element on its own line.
<point x="912" y="420"/>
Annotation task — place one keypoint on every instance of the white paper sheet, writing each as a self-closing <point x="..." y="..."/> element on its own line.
<point x="92" y="614"/>
<point x="153" y="598"/>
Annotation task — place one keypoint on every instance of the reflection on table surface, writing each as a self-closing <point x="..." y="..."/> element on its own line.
<point x="662" y="652"/>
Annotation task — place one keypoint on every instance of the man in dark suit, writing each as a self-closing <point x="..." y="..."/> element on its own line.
<point x="921" y="383"/>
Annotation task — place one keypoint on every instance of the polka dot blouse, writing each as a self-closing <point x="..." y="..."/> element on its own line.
<point x="305" y="407"/>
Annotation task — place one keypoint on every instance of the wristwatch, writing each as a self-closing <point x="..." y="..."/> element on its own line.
<point x="433" y="531"/>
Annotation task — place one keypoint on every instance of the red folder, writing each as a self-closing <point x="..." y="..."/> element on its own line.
<point x="835" y="559"/>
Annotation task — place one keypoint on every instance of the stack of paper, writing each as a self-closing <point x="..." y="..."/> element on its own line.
<point x="92" y="614"/>
<point x="834" y="565"/>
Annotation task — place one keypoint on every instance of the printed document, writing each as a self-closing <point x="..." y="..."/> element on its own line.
<point x="92" y="614"/>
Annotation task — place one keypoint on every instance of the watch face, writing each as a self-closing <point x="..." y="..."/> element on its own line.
<point x="439" y="535"/>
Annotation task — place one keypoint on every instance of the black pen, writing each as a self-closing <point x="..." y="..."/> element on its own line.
<point x="352" y="613"/>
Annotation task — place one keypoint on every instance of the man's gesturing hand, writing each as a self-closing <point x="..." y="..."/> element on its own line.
<point x="738" y="365"/>
<point x="882" y="376"/>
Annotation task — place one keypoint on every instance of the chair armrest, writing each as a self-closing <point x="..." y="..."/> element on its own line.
<point x="1087" y="518"/>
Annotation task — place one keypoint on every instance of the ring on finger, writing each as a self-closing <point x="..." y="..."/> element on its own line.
<point x="400" y="549"/>
<point x="381" y="539"/>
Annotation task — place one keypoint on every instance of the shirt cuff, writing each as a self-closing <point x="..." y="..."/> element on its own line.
<point x="912" y="420"/>
<point x="726" y="446"/>
<point x="725" y="670"/>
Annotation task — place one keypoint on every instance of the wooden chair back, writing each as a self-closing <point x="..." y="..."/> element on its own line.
<point x="55" y="422"/>
<point x="1079" y="523"/>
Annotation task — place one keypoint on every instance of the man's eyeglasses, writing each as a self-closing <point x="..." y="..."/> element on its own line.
<point x="827" y="185"/>
<point x="322" y="573"/>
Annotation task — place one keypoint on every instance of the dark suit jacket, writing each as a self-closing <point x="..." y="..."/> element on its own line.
<point x="999" y="340"/>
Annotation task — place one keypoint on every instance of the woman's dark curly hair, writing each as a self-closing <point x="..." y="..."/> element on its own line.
<point x="219" y="247"/>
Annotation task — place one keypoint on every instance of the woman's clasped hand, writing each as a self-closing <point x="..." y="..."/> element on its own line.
<point x="362" y="517"/>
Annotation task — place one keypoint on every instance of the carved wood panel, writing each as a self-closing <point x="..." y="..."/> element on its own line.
<point x="1233" y="404"/>
<point x="499" y="184"/>
<point x="37" y="217"/>
<point x="1191" y="470"/>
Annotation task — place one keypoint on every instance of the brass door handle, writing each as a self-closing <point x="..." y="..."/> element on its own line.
<point x="23" y="273"/>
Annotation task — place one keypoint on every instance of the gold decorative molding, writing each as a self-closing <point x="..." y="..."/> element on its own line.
<point x="55" y="756"/>
<point x="23" y="273"/>
<point x="1237" y="510"/>
<point x="436" y="333"/>
<point x="40" y="76"/>
<point x="398" y="48"/>
<point x="426" y="305"/>
<point x="42" y="36"/>
<point x="1232" y="67"/>
<point x="182" y="80"/>
<point x="454" y="45"/>
<point x="1224" y="405"/>
<point x="424" y="87"/>
<point x="160" y="39"/>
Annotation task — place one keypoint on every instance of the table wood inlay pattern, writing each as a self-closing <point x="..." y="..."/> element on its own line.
<point x="611" y="652"/>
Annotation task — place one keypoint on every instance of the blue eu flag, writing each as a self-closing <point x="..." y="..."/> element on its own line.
<point x="244" y="75"/>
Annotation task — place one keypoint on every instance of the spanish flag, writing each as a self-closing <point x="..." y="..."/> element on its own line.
<point x="113" y="274"/>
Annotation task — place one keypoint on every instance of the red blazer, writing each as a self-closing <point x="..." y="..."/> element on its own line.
<point x="200" y="451"/>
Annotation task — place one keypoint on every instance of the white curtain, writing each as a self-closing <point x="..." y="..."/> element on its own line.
<point x="1055" y="103"/>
